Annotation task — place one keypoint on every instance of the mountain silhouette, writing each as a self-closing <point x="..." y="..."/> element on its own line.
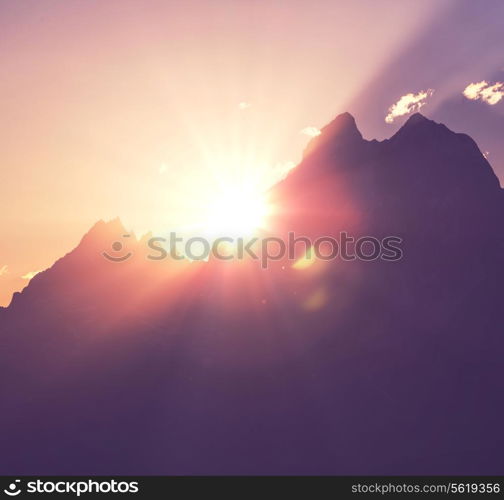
<point x="347" y="367"/>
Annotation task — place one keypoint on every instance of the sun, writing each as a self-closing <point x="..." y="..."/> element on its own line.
<point x="225" y="195"/>
<point x="236" y="211"/>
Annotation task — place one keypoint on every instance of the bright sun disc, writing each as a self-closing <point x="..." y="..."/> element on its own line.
<point x="236" y="212"/>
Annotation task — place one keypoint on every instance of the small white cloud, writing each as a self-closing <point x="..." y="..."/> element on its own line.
<point x="163" y="168"/>
<point x="30" y="275"/>
<point x="473" y="90"/>
<point x="244" y="105"/>
<point x="284" y="167"/>
<point x="310" y="131"/>
<point x="4" y="270"/>
<point x="409" y="103"/>
<point x="280" y="171"/>
<point x="491" y="94"/>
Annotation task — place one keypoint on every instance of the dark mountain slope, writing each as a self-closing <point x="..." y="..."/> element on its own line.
<point x="222" y="367"/>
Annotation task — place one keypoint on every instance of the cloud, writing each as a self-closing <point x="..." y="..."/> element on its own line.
<point x="244" y="105"/>
<point x="491" y="94"/>
<point x="163" y="168"/>
<point x="4" y="270"/>
<point x="310" y="131"/>
<point x="473" y="90"/>
<point x="279" y="172"/>
<point x="409" y="103"/>
<point x="30" y="275"/>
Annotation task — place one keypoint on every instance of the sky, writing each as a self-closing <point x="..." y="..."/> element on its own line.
<point x="145" y="110"/>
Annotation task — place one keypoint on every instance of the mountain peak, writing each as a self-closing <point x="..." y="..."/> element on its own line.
<point x="418" y="127"/>
<point x="114" y="224"/>
<point x="417" y="120"/>
<point x="342" y="126"/>
<point x="341" y="131"/>
<point x="103" y="231"/>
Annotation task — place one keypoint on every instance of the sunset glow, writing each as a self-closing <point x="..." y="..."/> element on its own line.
<point x="236" y="212"/>
<point x="181" y="115"/>
<point x="251" y="239"/>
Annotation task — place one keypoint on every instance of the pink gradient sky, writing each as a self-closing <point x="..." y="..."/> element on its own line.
<point x="120" y="107"/>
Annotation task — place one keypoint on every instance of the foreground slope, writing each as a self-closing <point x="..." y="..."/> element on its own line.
<point x="342" y="368"/>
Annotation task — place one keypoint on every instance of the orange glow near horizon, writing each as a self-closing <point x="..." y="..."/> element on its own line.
<point x="170" y="115"/>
